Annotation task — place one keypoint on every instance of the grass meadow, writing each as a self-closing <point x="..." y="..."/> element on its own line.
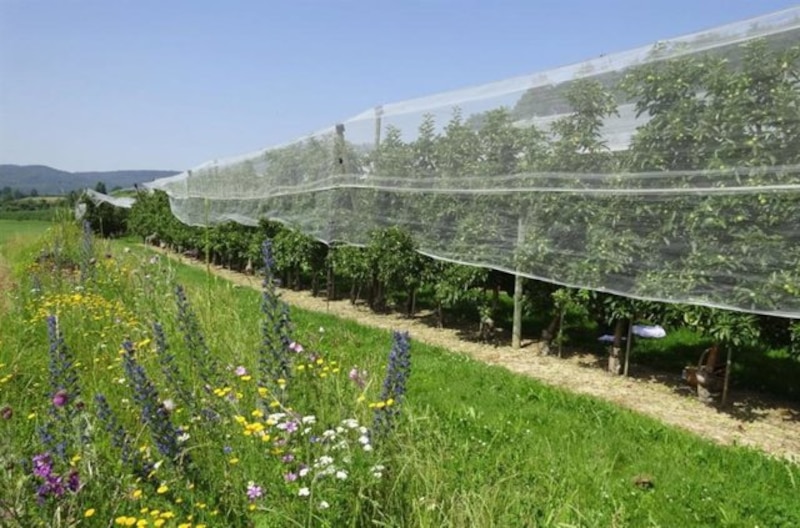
<point x="135" y="391"/>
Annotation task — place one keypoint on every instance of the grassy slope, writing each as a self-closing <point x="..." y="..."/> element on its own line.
<point x="481" y="446"/>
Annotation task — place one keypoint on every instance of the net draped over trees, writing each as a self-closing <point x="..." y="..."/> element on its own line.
<point x="669" y="172"/>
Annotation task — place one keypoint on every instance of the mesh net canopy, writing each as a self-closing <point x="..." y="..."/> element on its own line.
<point x="669" y="172"/>
<point x="98" y="198"/>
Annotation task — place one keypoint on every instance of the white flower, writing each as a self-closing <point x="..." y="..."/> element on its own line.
<point x="324" y="460"/>
<point x="183" y="437"/>
<point x="367" y="447"/>
<point x="304" y="492"/>
<point x="363" y="430"/>
<point x="324" y="505"/>
<point x="309" y="419"/>
<point x="350" y="423"/>
<point x="341" y="474"/>
<point x="340" y="430"/>
<point x="321" y="330"/>
<point x="329" y="433"/>
<point x="363" y="439"/>
<point x="303" y="472"/>
<point x="169" y="404"/>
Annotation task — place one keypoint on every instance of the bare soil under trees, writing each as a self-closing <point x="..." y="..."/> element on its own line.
<point x="750" y="419"/>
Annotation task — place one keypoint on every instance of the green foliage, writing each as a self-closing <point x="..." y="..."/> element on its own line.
<point x="730" y="329"/>
<point x="105" y="219"/>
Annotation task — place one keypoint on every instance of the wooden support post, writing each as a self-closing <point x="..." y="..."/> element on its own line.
<point x="628" y="346"/>
<point x="727" y="377"/>
<point x="516" y="330"/>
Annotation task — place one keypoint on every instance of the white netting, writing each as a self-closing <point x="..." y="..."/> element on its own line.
<point x="98" y="198"/>
<point x="670" y="172"/>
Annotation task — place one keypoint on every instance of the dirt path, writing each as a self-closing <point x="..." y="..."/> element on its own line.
<point x="751" y="419"/>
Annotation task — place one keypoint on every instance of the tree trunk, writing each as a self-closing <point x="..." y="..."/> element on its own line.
<point x="315" y="285"/>
<point x="331" y="285"/>
<point x="548" y="334"/>
<point x="440" y="314"/>
<point x="411" y="303"/>
<point x="615" y="355"/>
<point x="353" y="292"/>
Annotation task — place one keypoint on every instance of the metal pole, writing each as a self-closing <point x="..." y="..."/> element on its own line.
<point x="378" y="116"/>
<point x="727" y="377"/>
<point x="516" y="330"/>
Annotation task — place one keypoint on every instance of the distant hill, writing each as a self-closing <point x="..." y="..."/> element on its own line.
<point x="50" y="181"/>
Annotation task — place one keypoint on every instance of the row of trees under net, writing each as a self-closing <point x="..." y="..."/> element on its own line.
<point x="702" y="207"/>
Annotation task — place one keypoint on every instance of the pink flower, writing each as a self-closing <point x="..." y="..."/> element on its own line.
<point x="240" y="371"/>
<point x="358" y="377"/>
<point x="253" y="491"/>
<point x="61" y="398"/>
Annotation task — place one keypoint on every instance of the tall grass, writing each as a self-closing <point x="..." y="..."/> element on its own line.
<point x="173" y="418"/>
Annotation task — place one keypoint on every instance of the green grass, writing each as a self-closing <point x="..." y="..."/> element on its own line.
<point x="20" y="229"/>
<point x="475" y="446"/>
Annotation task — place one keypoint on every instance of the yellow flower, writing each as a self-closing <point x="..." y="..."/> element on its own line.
<point x="144" y="510"/>
<point x="251" y="507"/>
<point x="141" y="523"/>
<point x="74" y="460"/>
<point x="233" y="461"/>
<point x="158" y="522"/>
<point x="88" y="513"/>
<point x="185" y="525"/>
<point x="274" y="404"/>
<point x="361" y="398"/>
<point x="31" y="416"/>
<point x="168" y="514"/>
<point x="390" y="402"/>
<point x="137" y="493"/>
<point x="257" y="414"/>
<point x="262" y="391"/>
<point x="246" y="377"/>
<point x="162" y="489"/>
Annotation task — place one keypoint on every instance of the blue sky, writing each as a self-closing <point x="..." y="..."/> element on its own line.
<point x="170" y="84"/>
